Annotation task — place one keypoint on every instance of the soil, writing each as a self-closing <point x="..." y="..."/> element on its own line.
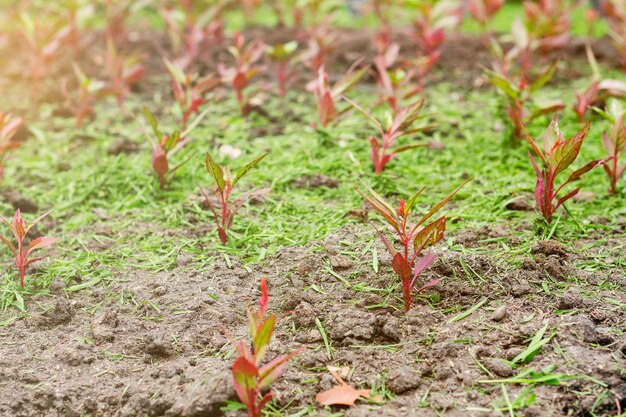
<point x="156" y="344"/>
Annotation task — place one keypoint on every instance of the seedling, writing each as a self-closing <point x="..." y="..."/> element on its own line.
<point x="189" y="90"/>
<point x="22" y="254"/>
<point x="548" y="23"/>
<point x="165" y="146"/>
<point x="225" y="211"/>
<point x="192" y="35"/>
<point x="250" y="377"/>
<point x="483" y="11"/>
<point x="396" y="126"/>
<point x="123" y="72"/>
<point x="415" y="238"/>
<point x="239" y="76"/>
<point x="282" y="55"/>
<point x="614" y="142"/>
<point x="327" y="96"/>
<point x="44" y="45"/>
<point x="615" y="13"/>
<point x="320" y="42"/>
<point x="392" y="79"/>
<point x="8" y="128"/>
<point x="519" y="91"/>
<point x="429" y="27"/>
<point x="88" y="90"/>
<point x="557" y="156"/>
<point x="598" y="91"/>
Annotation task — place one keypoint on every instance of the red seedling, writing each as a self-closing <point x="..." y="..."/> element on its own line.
<point x="250" y="377"/>
<point x="189" y="90"/>
<point x="21" y="253"/>
<point x="396" y="126"/>
<point x="44" y="45"/>
<point x="8" y="128"/>
<point x="123" y="72"/>
<point x="557" y="156"/>
<point x="615" y="12"/>
<point x="239" y="76"/>
<point x="548" y="23"/>
<point x="165" y="146"/>
<point x="224" y="211"/>
<point x="614" y="142"/>
<point x="414" y="238"/>
<point x="430" y="26"/>
<point x="321" y="41"/>
<point x="282" y="56"/>
<point x="327" y="96"/>
<point x="483" y="11"/>
<point x="523" y="108"/>
<point x="88" y="92"/>
<point x="190" y="34"/>
<point x="598" y="91"/>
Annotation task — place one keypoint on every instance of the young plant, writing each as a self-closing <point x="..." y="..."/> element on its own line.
<point x="44" y="45"/>
<point x="321" y="41"/>
<point x="614" y="142"/>
<point x="409" y="262"/>
<point x="327" y="95"/>
<point x="88" y="91"/>
<point x="281" y="55"/>
<point x="165" y="146"/>
<point x="557" y="155"/>
<point x="190" y="34"/>
<point x="598" y="91"/>
<point x="250" y="377"/>
<point x="8" y="128"/>
<point x="239" y="76"/>
<point x="395" y="126"/>
<point x="189" y="90"/>
<point x="483" y="11"/>
<point x="519" y="91"/>
<point x="225" y="211"/>
<point x="548" y="23"/>
<point x="123" y="72"/>
<point x="433" y="19"/>
<point x="615" y="13"/>
<point x="22" y="253"/>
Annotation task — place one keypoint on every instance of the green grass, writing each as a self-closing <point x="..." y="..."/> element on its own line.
<point x="110" y="214"/>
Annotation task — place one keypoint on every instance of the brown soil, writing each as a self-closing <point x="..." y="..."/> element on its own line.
<point x="152" y="344"/>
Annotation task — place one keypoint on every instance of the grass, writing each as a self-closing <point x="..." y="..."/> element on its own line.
<point x="110" y="214"/>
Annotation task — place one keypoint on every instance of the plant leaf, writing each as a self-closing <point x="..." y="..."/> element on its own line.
<point x="215" y="171"/>
<point x="243" y="171"/>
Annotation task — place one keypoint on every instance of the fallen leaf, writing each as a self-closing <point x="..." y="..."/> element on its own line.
<point x="342" y="394"/>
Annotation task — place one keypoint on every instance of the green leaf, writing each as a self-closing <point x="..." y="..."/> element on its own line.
<point x="262" y="337"/>
<point x="215" y="171"/>
<point x="153" y="123"/>
<point x="243" y="171"/>
<point x="430" y="234"/>
<point x="544" y="78"/>
<point x="440" y="204"/>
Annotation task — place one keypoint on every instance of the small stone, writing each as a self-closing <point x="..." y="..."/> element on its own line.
<point x="403" y="379"/>
<point x="499" y="314"/>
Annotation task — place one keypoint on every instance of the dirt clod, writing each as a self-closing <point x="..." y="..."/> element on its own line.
<point x="403" y="379"/>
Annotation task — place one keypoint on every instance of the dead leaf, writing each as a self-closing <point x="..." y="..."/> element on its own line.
<point x="342" y="394"/>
